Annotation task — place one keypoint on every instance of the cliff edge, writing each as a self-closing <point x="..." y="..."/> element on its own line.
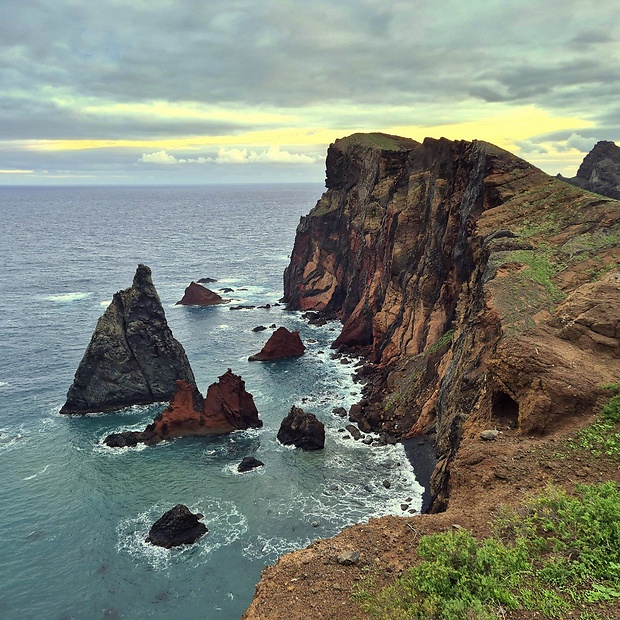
<point x="485" y="295"/>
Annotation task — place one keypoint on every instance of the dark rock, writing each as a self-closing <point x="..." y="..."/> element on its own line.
<point x="281" y="344"/>
<point x="127" y="439"/>
<point x="198" y="295"/>
<point x="248" y="463"/>
<point x="265" y="307"/>
<point x="178" y="526"/>
<point x="355" y="432"/>
<point x="206" y="280"/>
<point x="227" y="290"/>
<point x="242" y="307"/>
<point x="340" y="412"/>
<point x="259" y="328"/>
<point x="387" y="484"/>
<point x="132" y="358"/>
<point x="600" y="170"/>
<point x="302" y="430"/>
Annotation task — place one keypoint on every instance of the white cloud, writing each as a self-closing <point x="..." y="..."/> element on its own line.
<point x="232" y="156"/>
<point x="160" y="157"/>
<point x="580" y="143"/>
<point x="275" y="155"/>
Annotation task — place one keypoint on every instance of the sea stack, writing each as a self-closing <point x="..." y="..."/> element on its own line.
<point x="199" y="295"/>
<point x="132" y="358"/>
<point x="281" y="344"/>
<point x="302" y="430"/>
<point x="227" y="407"/>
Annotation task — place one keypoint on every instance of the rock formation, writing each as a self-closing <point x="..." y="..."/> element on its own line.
<point x="303" y="430"/>
<point x="248" y="464"/>
<point x="600" y="170"/>
<point x="178" y="526"/>
<point x="282" y="343"/>
<point x="132" y="358"/>
<point x="474" y="283"/>
<point x="227" y="407"/>
<point x="199" y="295"/>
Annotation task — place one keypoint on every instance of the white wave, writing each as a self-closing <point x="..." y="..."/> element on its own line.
<point x="264" y="548"/>
<point x="4" y="384"/>
<point x="68" y="297"/>
<point x="224" y="522"/>
<point x="37" y="474"/>
<point x="105" y="303"/>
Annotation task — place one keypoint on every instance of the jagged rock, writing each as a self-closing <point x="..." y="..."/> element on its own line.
<point x="132" y="358"/>
<point x="198" y="295"/>
<point x="227" y="290"/>
<point x="340" y="412"/>
<point x="302" y="430"/>
<point x="282" y="343"/>
<point x="248" y="464"/>
<point x="600" y="170"/>
<point x="178" y="526"/>
<point x="355" y="432"/>
<point x="227" y="407"/>
<point x="242" y="307"/>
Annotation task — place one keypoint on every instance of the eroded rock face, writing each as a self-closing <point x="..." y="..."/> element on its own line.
<point x="303" y="430"/>
<point x="198" y="295"/>
<point x="600" y="170"/>
<point x="282" y="343"/>
<point x="473" y="282"/>
<point x="227" y="407"/>
<point x="132" y="358"/>
<point x="178" y="526"/>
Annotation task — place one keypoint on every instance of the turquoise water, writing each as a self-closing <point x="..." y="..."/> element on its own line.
<point x="74" y="513"/>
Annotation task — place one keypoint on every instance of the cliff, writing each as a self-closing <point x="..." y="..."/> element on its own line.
<point x="132" y="358"/>
<point x="483" y="291"/>
<point x="600" y="170"/>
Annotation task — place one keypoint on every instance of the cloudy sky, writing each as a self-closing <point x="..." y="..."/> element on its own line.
<point x="221" y="91"/>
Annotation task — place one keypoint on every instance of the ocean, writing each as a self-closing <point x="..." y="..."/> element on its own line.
<point x="73" y="513"/>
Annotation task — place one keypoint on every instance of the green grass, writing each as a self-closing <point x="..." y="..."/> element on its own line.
<point x="555" y="554"/>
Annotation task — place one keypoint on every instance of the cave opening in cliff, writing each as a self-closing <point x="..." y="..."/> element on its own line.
<point x="505" y="410"/>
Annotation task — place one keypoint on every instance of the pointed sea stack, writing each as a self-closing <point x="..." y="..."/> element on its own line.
<point x="281" y="344"/>
<point x="198" y="295"/>
<point x="132" y="358"/>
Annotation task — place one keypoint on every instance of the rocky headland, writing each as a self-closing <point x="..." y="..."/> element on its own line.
<point x="226" y="407"/>
<point x="132" y="358"/>
<point x="485" y="297"/>
<point x="600" y="170"/>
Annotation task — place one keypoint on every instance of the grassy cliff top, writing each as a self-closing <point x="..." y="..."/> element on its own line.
<point x="377" y="140"/>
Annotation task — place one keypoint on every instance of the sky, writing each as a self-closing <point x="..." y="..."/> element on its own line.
<point x="244" y="91"/>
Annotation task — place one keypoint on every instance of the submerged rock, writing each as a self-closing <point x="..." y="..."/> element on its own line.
<point x="303" y="430"/>
<point x="198" y="295"/>
<point x="248" y="464"/>
<point x="132" y="358"/>
<point x="178" y="526"/>
<point x="282" y="343"/>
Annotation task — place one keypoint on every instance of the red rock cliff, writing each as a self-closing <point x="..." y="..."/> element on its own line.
<point x="482" y="290"/>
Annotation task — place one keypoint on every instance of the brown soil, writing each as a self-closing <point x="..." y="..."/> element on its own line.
<point x="485" y="475"/>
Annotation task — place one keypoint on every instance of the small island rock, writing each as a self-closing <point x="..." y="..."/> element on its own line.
<point x="282" y="343"/>
<point x="199" y="295"/>
<point x="249" y="463"/>
<point x="178" y="526"/>
<point x="132" y="358"/>
<point x="302" y="430"/>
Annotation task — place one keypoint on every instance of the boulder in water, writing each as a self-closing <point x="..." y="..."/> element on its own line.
<point x="178" y="526"/>
<point x="302" y="430"/>
<point x="282" y="343"/>
<point x="199" y="295"/>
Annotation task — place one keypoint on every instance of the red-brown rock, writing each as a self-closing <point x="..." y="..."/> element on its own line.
<point x="282" y="343"/>
<point x="198" y="295"/>
<point x="227" y="407"/>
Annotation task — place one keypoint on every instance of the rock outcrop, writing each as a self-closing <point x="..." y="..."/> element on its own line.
<point x="600" y="170"/>
<point x="303" y="430"/>
<point x="178" y="526"/>
<point x="474" y="283"/>
<point x="282" y="343"/>
<point x="227" y="407"/>
<point x="132" y="358"/>
<point x="248" y="464"/>
<point x="199" y="295"/>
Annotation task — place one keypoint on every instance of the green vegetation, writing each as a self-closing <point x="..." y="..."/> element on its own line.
<point x="540" y="268"/>
<point x="555" y="554"/>
<point x="602" y="437"/>
<point x="380" y="140"/>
